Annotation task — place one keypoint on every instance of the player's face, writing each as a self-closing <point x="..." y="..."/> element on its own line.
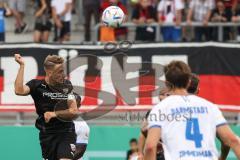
<point x="133" y="146"/>
<point x="57" y="76"/>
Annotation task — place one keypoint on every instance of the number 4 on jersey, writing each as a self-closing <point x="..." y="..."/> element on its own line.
<point x="193" y="132"/>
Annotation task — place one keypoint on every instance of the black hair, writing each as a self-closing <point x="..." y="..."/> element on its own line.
<point x="193" y="87"/>
<point x="133" y="140"/>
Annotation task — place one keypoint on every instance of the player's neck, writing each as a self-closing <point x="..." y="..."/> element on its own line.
<point x="47" y="79"/>
<point x="179" y="91"/>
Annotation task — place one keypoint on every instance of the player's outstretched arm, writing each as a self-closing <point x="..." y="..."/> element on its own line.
<point x="151" y="143"/>
<point x="20" y="88"/>
<point x="229" y="138"/>
<point x="224" y="150"/>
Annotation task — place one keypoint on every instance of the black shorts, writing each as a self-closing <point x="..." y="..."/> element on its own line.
<point x="57" y="146"/>
<point x="43" y="27"/>
<point x="65" y="30"/>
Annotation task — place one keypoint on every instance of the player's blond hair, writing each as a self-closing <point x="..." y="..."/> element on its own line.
<point x="52" y="60"/>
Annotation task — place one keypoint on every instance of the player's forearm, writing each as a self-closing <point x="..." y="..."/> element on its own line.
<point x="224" y="151"/>
<point x="72" y="111"/>
<point x="67" y="114"/>
<point x="19" y="87"/>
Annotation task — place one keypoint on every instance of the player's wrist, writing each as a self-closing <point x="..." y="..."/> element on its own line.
<point x="22" y="64"/>
<point x="54" y="115"/>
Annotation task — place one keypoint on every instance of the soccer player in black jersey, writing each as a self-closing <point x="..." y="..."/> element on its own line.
<point x="143" y="135"/>
<point x="57" y="132"/>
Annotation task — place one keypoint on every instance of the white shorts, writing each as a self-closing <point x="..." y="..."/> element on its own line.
<point x="18" y="5"/>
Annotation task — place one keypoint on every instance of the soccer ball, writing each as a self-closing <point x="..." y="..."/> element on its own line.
<point x="113" y="16"/>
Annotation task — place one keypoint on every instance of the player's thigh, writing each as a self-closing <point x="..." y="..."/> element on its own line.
<point x="66" y="146"/>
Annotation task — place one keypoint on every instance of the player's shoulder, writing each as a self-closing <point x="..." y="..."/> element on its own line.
<point x="203" y="100"/>
<point x="36" y="82"/>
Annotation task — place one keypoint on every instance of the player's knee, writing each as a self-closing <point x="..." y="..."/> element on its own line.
<point x="150" y="147"/>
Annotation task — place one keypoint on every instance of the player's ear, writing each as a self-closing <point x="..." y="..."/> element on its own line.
<point x="189" y="83"/>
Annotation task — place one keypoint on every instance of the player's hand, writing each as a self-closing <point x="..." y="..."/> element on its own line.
<point x="48" y="116"/>
<point x="19" y="59"/>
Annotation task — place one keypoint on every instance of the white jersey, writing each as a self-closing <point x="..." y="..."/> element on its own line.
<point x="82" y="131"/>
<point x="188" y="127"/>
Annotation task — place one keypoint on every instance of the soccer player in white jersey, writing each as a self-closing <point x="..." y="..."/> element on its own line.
<point x="186" y="124"/>
<point x="82" y="131"/>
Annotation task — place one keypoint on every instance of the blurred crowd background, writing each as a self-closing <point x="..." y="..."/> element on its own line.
<point x="178" y="20"/>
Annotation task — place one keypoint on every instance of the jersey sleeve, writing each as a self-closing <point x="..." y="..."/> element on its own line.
<point x="82" y="132"/>
<point x="155" y="117"/>
<point x="218" y="117"/>
<point x="32" y="85"/>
